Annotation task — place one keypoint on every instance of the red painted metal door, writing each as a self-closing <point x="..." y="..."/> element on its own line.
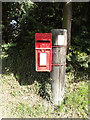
<point x="43" y="51"/>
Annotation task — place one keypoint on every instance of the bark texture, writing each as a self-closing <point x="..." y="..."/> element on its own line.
<point x="67" y="20"/>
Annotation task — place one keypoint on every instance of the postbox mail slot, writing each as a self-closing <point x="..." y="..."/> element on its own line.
<point x="43" y="45"/>
<point x="44" y="41"/>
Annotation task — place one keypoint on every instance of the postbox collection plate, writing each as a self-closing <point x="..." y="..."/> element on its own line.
<point x="43" y="59"/>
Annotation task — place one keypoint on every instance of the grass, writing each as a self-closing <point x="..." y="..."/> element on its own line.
<point x="26" y="93"/>
<point x="25" y="110"/>
<point x="27" y="103"/>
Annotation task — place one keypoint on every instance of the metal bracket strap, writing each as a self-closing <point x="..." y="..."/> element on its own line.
<point x="59" y="64"/>
<point x="59" y="46"/>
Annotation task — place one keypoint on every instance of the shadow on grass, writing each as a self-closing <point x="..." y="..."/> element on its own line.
<point x="20" y="60"/>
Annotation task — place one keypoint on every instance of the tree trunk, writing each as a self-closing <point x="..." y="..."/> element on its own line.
<point x="67" y="18"/>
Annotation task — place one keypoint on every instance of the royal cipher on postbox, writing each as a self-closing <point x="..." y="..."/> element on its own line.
<point x="43" y="51"/>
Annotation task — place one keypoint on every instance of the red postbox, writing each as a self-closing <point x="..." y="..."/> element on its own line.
<point x="43" y="51"/>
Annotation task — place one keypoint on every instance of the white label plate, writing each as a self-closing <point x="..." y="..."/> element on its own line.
<point x="42" y="58"/>
<point x="60" y="39"/>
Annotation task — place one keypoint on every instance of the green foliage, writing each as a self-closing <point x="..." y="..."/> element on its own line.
<point x="78" y="99"/>
<point x="23" y="109"/>
<point x="80" y="27"/>
<point x="74" y="100"/>
<point x="30" y="18"/>
<point x="37" y="110"/>
<point x="78" y="57"/>
<point x="78" y="63"/>
<point x="16" y="93"/>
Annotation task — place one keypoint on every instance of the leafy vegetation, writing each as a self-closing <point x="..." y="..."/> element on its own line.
<point x="21" y="83"/>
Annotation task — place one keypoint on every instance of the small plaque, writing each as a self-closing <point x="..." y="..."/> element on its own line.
<point x="43" y="59"/>
<point x="60" y="39"/>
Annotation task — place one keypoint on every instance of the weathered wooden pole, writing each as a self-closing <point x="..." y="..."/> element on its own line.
<point x="59" y="41"/>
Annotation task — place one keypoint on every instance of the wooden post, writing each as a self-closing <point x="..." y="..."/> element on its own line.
<point x="59" y="38"/>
